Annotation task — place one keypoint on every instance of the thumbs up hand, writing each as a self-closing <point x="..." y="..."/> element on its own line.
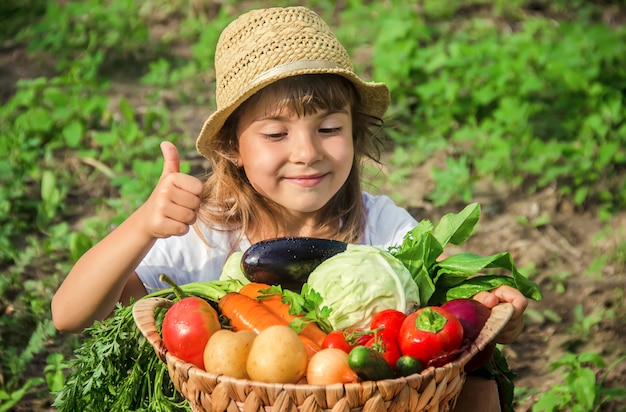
<point x="174" y="202"/>
<point x="171" y="161"/>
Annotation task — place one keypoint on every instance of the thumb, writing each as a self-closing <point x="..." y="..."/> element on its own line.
<point x="171" y="160"/>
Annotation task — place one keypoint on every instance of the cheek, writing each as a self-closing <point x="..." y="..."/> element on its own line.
<point x="260" y="161"/>
<point x="251" y="154"/>
<point x="342" y="153"/>
<point x="261" y="168"/>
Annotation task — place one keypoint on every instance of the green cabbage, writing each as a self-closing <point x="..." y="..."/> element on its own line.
<point x="232" y="268"/>
<point x="360" y="282"/>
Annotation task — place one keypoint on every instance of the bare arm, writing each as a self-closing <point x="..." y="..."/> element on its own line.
<point x="106" y="274"/>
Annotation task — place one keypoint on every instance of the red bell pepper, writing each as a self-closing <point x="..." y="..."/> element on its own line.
<point x="430" y="334"/>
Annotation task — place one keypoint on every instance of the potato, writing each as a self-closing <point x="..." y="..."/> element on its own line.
<point x="277" y="356"/>
<point x="226" y="352"/>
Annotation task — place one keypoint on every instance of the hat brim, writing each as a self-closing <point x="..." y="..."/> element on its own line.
<point x="374" y="96"/>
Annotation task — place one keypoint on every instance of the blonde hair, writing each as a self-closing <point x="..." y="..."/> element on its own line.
<point x="230" y="203"/>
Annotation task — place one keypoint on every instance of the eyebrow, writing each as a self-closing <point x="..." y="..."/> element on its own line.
<point x="318" y="115"/>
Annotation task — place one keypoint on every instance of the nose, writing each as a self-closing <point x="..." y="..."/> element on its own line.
<point x="306" y="147"/>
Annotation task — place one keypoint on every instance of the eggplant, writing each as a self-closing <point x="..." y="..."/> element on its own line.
<point x="287" y="261"/>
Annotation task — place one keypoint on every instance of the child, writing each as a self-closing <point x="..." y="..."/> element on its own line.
<point x="286" y="145"/>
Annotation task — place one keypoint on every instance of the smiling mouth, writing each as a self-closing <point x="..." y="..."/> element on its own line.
<point x="306" y="181"/>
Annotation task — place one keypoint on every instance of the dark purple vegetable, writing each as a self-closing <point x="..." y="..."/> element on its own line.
<point x="287" y="261"/>
<point x="473" y="315"/>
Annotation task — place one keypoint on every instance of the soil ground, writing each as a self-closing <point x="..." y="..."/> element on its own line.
<point x="558" y="253"/>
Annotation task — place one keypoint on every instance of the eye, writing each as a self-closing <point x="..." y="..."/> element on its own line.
<point x="274" y="136"/>
<point x="330" y="130"/>
<point x="333" y="123"/>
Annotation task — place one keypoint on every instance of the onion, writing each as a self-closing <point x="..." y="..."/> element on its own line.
<point x="328" y="366"/>
<point x="473" y="315"/>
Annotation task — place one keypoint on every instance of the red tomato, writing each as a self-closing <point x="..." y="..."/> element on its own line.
<point x="359" y="337"/>
<point x="187" y="326"/>
<point x="337" y="339"/>
<point x="388" y="347"/>
<point x="346" y="340"/>
<point x="430" y="333"/>
<point x="390" y="321"/>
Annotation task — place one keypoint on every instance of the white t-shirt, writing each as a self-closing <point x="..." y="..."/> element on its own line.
<point x="188" y="258"/>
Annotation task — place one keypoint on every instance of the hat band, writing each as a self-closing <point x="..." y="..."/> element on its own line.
<point x="289" y="68"/>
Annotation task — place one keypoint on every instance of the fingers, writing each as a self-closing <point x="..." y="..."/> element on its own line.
<point x="184" y="192"/>
<point x="513" y="296"/>
<point x="487" y="298"/>
<point x="174" y="220"/>
<point x="503" y="294"/>
<point x="173" y="205"/>
<point x="171" y="160"/>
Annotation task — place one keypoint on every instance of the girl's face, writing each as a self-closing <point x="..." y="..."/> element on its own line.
<point x="299" y="162"/>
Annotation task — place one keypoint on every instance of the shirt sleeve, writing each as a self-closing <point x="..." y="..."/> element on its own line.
<point x="185" y="259"/>
<point x="387" y="223"/>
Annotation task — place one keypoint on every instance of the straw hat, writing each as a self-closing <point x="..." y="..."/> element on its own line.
<point x="263" y="46"/>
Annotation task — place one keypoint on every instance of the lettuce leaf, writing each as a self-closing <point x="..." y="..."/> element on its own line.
<point x="232" y="269"/>
<point x="360" y="282"/>
<point x="460" y="275"/>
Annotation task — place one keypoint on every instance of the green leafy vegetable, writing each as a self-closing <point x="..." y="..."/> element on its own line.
<point x="360" y="282"/>
<point x="116" y="369"/>
<point x="456" y="276"/>
<point x="461" y="266"/>
<point x="498" y="370"/>
<point x="232" y="268"/>
<point x="457" y="228"/>
<point x="307" y="305"/>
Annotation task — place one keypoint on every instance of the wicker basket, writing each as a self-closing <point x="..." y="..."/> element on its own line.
<point x="435" y="389"/>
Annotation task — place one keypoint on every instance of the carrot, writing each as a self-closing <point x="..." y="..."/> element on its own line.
<point x="253" y="289"/>
<point x="311" y="347"/>
<point x="275" y="304"/>
<point x="246" y="313"/>
<point x="311" y="330"/>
